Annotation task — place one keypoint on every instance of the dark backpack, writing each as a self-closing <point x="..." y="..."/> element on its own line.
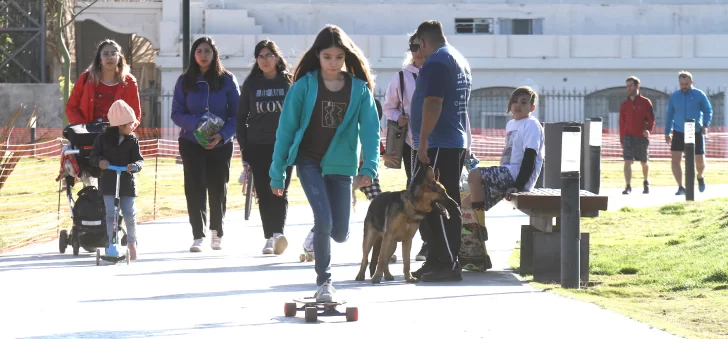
<point x="89" y="209"/>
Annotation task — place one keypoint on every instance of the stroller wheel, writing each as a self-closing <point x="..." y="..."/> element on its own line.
<point x="128" y="258"/>
<point x="63" y="241"/>
<point x="75" y="242"/>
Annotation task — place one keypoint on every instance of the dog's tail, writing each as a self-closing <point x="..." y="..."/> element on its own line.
<point x="375" y="258"/>
<point x="353" y="200"/>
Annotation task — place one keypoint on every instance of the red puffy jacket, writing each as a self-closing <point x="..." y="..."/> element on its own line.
<point x="80" y="106"/>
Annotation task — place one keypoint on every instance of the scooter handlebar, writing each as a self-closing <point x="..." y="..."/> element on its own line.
<point x="119" y="169"/>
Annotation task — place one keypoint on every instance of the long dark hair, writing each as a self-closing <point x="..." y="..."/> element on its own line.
<point x="122" y="68"/>
<point x="281" y="66"/>
<point x="333" y="36"/>
<point x="213" y="76"/>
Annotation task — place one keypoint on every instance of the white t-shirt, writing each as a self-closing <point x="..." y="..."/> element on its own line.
<point x="520" y="135"/>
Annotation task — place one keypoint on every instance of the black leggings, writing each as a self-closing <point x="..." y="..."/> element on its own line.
<point x="273" y="209"/>
<point x="407" y="155"/>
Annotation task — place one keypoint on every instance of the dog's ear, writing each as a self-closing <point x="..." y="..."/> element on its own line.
<point x="429" y="174"/>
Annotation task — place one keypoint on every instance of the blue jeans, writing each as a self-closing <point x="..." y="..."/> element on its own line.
<point x="330" y="200"/>
<point x="127" y="210"/>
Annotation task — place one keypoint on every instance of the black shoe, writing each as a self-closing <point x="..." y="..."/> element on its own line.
<point x="422" y="256"/>
<point x="425" y="268"/>
<point x="680" y="191"/>
<point x="646" y="185"/>
<point x="627" y="190"/>
<point x="701" y="185"/>
<point x="443" y="273"/>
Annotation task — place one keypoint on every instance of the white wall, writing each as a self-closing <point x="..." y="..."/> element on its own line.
<point x="583" y="61"/>
<point x="587" y="45"/>
<point x="560" y="18"/>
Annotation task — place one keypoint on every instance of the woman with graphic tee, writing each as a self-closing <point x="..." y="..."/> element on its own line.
<point x="105" y="81"/>
<point x="327" y="117"/>
<point x="261" y="101"/>
<point x="521" y="162"/>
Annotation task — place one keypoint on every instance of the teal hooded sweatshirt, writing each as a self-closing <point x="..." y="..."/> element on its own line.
<point x="358" y="132"/>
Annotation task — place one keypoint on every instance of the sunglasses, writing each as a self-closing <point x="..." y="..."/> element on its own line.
<point x="414" y="47"/>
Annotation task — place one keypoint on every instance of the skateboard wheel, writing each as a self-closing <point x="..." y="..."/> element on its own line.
<point x="302" y="257"/>
<point x="352" y="314"/>
<point x="289" y="309"/>
<point x="311" y="314"/>
<point x="98" y="257"/>
<point x="393" y="258"/>
<point x="309" y="257"/>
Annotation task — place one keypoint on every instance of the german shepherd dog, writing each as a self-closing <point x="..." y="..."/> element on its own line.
<point x="395" y="217"/>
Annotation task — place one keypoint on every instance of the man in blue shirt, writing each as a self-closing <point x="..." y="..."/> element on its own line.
<point x="687" y="103"/>
<point x="438" y="120"/>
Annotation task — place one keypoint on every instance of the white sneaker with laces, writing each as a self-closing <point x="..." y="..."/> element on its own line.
<point x="280" y="243"/>
<point x="308" y="243"/>
<point x="325" y="293"/>
<point x="196" y="246"/>
<point x="268" y="249"/>
<point x="216" y="242"/>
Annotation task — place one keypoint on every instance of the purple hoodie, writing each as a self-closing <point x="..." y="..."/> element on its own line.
<point x="188" y="107"/>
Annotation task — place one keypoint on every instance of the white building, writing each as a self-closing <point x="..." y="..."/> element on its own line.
<point x="588" y="45"/>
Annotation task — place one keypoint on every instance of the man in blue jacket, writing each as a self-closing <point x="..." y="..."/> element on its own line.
<point x="438" y="119"/>
<point x="687" y="103"/>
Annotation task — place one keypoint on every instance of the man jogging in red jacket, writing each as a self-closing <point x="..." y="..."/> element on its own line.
<point x="636" y="122"/>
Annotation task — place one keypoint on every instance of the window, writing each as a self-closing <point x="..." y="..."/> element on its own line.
<point x="520" y="26"/>
<point x="474" y="26"/>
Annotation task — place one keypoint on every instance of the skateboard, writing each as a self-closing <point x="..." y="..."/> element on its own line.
<point x="314" y="309"/>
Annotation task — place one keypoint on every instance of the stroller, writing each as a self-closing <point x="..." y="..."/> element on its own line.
<point x="88" y="212"/>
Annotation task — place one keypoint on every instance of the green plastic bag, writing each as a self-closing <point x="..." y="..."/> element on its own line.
<point x="210" y="125"/>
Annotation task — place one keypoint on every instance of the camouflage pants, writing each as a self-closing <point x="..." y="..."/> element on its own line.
<point x="496" y="181"/>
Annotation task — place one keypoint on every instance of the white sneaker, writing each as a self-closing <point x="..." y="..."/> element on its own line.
<point x="280" y="243"/>
<point x="268" y="249"/>
<point x="196" y="246"/>
<point x="308" y="243"/>
<point x="216" y="242"/>
<point x="325" y="293"/>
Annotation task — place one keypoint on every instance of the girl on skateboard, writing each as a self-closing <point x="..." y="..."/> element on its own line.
<point x="329" y="115"/>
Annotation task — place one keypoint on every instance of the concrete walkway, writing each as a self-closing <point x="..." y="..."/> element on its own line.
<point x="237" y="292"/>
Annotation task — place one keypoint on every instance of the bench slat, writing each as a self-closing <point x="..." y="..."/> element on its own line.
<point x="547" y="201"/>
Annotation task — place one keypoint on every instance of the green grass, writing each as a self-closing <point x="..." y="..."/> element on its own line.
<point x="666" y="266"/>
<point x="29" y="201"/>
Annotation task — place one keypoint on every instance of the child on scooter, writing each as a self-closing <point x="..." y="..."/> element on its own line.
<point x="119" y="146"/>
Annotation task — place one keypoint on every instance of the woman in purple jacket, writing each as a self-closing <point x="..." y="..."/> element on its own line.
<point x="205" y="87"/>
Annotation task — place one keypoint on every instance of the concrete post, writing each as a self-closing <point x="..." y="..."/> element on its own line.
<point x="570" y="206"/>
<point x="689" y="160"/>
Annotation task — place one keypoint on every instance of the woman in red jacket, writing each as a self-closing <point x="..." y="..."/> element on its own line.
<point x="106" y="80"/>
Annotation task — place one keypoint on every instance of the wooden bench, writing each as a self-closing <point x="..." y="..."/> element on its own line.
<point x="542" y="205"/>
